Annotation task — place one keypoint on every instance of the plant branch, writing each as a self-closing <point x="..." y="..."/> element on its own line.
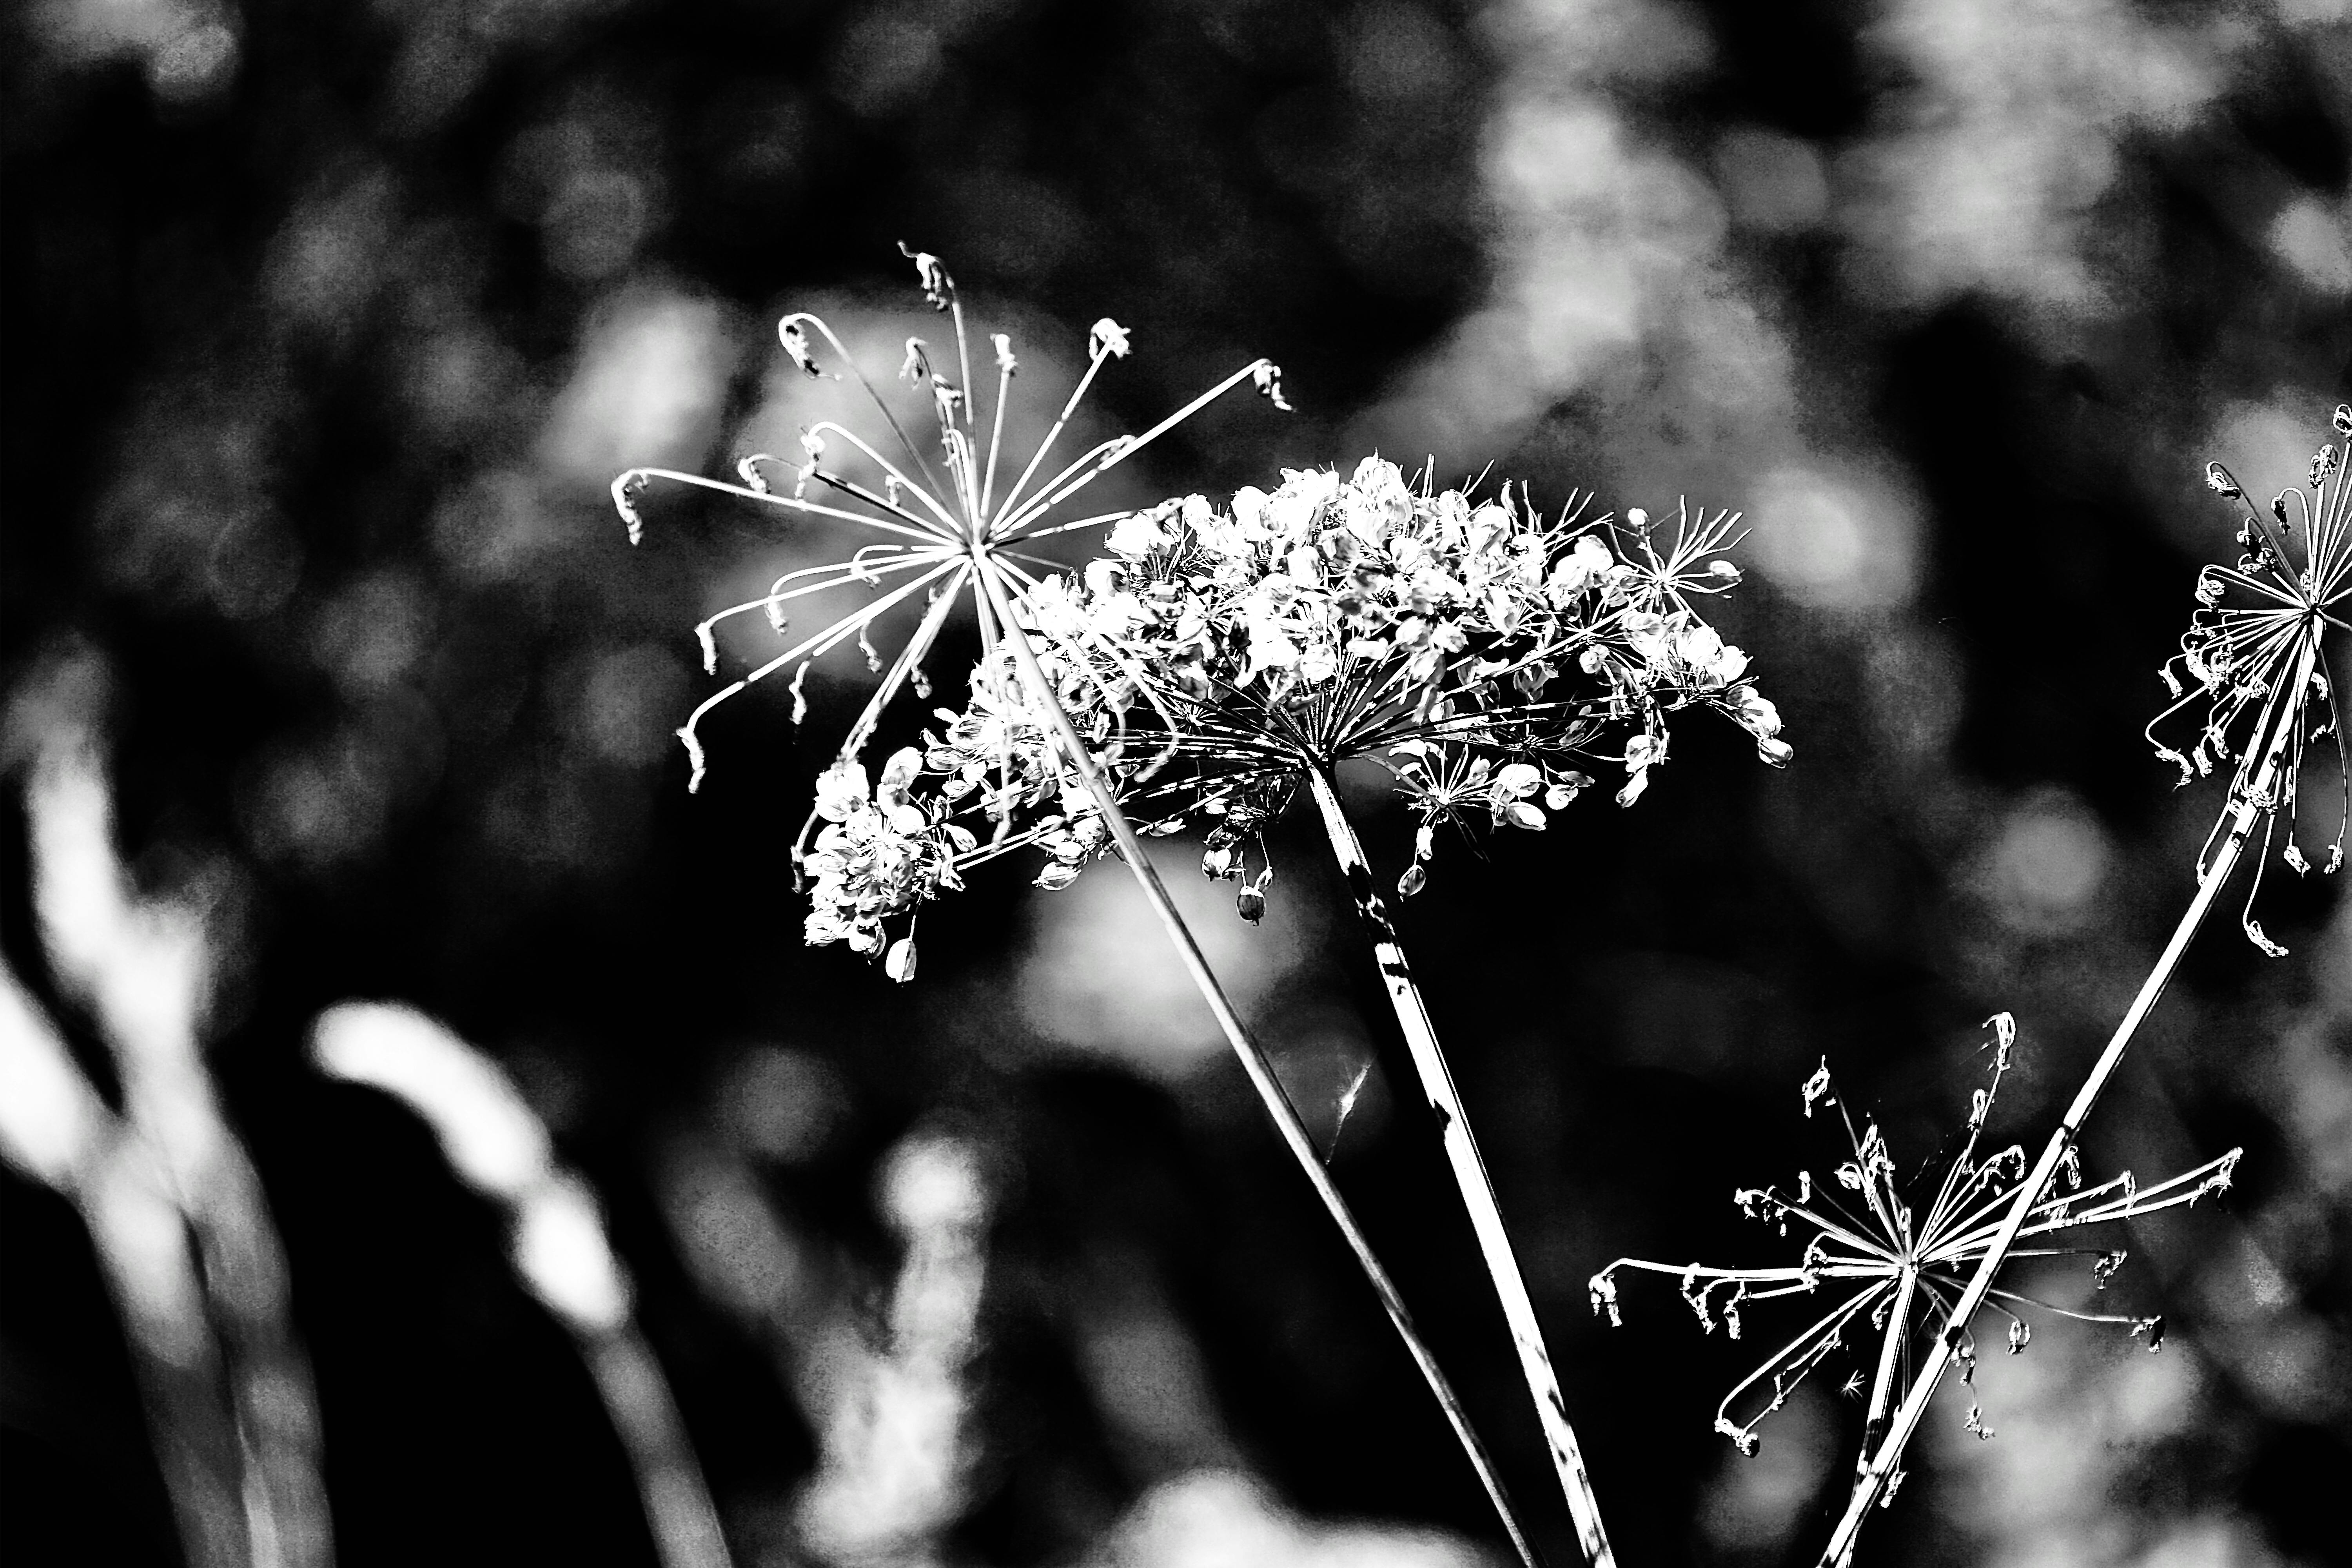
<point x="1255" y="1062"/>
<point x="678" y="1510"/>
<point x="1469" y="1175"/>
<point x="2253" y="805"/>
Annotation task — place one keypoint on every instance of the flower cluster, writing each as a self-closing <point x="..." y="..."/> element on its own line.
<point x="879" y="852"/>
<point x="997" y="757"/>
<point x="944" y="533"/>
<point x="2257" y="672"/>
<point x="1486" y="655"/>
<point x="1905" y="1272"/>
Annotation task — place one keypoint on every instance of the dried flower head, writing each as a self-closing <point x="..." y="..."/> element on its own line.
<point x="1486" y="655"/>
<point x="1902" y="1271"/>
<point x="941" y="527"/>
<point x="2257" y="672"/>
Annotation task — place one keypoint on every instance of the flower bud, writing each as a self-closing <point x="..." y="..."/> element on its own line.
<point x="1268" y="378"/>
<point x="899" y="965"/>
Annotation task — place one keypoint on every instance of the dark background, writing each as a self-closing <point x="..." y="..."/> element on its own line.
<point x="325" y="326"/>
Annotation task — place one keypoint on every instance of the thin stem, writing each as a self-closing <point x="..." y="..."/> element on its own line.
<point x="1255" y="1062"/>
<point x="1469" y="1175"/>
<point x="669" y="1480"/>
<point x="2251" y="806"/>
<point x="1881" y="1387"/>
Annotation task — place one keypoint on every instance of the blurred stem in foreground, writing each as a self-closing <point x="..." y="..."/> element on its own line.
<point x="2256" y="801"/>
<point x="556" y="1236"/>
<point x="1259" y="1067"/>
<point x="143" y="967"/>
<point x="55" y="1127"/>
<point x="1470" y="1177"/>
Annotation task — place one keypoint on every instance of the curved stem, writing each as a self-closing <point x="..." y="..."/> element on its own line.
<point x="1469" y="1175"/>
<point x="1877" y="1467"/>
<point x="644" y="1417"/>
<point x="1254" y="1062"/>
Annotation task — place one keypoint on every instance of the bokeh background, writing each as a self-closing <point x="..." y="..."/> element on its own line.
<point x="326" y="327"/>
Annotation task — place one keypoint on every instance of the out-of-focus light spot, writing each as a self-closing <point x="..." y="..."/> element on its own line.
<point x="495" y="526"/>
<point x="645" y="389"/>
<point x="1771" y="182"/>
<point x="884" y="63"/>
<point x="188" y="49"/>
<point x="735" y="1243"/>
<point x="2295" y="1365"/>
<point x="932" y="1183"/>
<point x="1100" y="976"/>
<point x="2309" y="235"/>
<point x="489" y="1135"/>
<point x="629" y="704"/>
<point x="538" y="163"/>
<point x="896" y="1455"/>
<point x="1842" y="541"/>
<point x="2153" y="1397"/>
<point x="459" y="379"/>
<point x="1613" y="303"/>
<point x="188" y="518"/>
<point x="595" y="223"/>
<point x="2210" y="1543"/>
<point x="2048" y="863"/>
<point x="2006" y="140"/>
<point x="1914" y="687"/>
<point x="560" y="1251"/>
<point x="194" y="63"/>
<point x="759" y="133"/>
<point x="1220" y="1519"/>
<point x="1150" y="1382"/>
<point x="1635" y="41"/>
<point x="438" y="67"/>
<point x="1755" y="1502"/>
<point x="325" y="261"/>
<point x="370" y="634"/>
<point x="449" y="50"/>
<point x="253" y="567"/>
<point x="1399" y="53"/>
<point x="330" y="801"/>
<point x="781" y="1104"/>
<point x="2263" y="1286"/>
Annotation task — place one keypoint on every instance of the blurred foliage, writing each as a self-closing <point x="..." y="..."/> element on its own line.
<point x="325" y="326"/>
